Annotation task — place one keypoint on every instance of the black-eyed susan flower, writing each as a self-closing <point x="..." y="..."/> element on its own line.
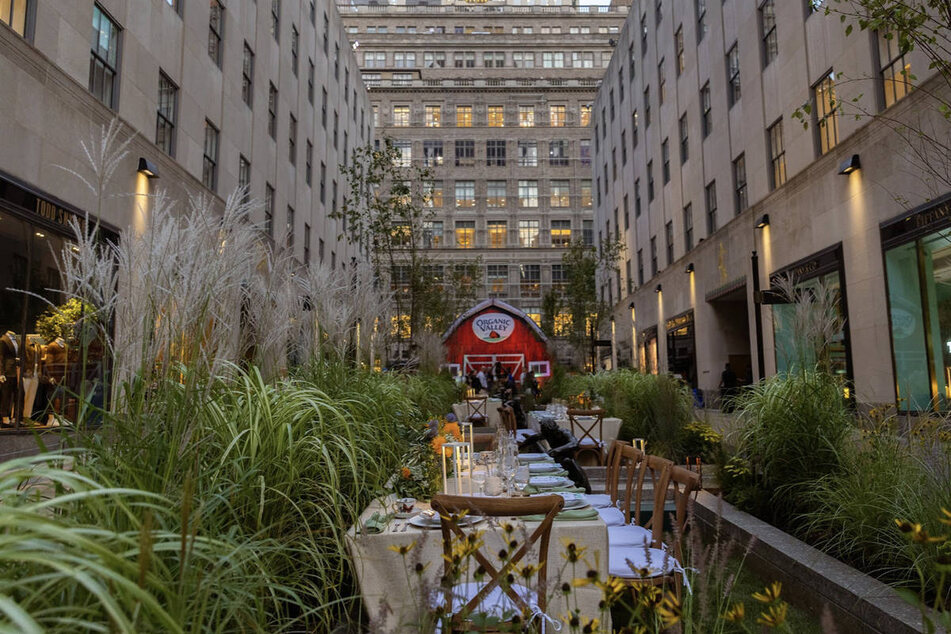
<point x="736" y="613"/>
<point x="670" y="610"/>
<point x="770" y="594"/>
<point x="591" y="626"/>
<point x="945" y="516"/>
<point x="401" y="549"/>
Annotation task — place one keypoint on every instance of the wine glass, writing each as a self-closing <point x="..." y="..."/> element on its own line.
<point x="480" y="473"/>
<point x="522" y="476"/>
<point x="509" y="467"/>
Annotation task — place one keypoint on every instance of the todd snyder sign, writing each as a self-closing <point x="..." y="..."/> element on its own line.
<point x="493" y="327"/>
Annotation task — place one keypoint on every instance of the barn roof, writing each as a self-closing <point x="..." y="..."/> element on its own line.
<point x="499" y="304"/>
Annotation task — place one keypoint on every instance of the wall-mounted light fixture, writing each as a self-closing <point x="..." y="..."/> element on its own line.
<point x="631" y="305"/>
<point x="849" y="165"/>
<point x="658" y="288"/>
<point x="763" y="221"/>
<point x="689" y="269"/>
<point x="147" y="168"/>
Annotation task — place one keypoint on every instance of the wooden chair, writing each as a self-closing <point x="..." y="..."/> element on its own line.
<point x="683" y="484"/>
<point x="584" y="431"/>
<point x="476" y="412"/>
<point x="507" y="419"/>
<point x="622" y="458"/>
<point x="494" y="594"/>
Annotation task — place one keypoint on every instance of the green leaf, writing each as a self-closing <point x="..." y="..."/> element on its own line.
<point x="848" y="30"/>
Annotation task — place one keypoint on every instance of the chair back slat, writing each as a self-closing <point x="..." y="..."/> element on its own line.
<point x="613" y="472"/>
<point x="476" y="407"/>
<point x="450" y="507"/>
<point x="683" y="483"/>
<point x="657" y="471"/>
<point x="586" y="430"/>
<point x="507" y="418"/>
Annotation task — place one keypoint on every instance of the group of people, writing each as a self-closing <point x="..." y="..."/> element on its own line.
<point x="500" y="380"/>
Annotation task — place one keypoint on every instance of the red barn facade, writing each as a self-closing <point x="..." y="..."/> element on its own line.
<point x="495" y="331"/>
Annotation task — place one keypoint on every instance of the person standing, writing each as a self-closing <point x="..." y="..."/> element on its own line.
<point x="728" y="385"/>
<point x="483" y="380"/>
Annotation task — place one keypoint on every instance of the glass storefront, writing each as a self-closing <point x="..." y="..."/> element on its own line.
<point x="681" y="348"/>
<point x="918" y="277"/>
<point x="649" y="350"/>
<point x="41" y="366"/>
<point x="792" y="351"/>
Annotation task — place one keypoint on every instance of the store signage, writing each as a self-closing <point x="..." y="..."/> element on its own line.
<point x="22" y="199"/>
<point x="493" y="327"/>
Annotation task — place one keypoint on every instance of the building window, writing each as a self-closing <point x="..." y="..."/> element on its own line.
<point x="310" y="80"/>
<point x="247" y="76"/>
<point x="644" y="34"/>
<point x="684" y="140"/>
<point x="553" y="59"/>
<point x="433" y="59"/>
<point x="289" y="227"/>
<point x="15" y="13"/>
<point x="560" y="233"/>
<point x="336" y="61"/>
<point x="523" y="60"/>
<point x="627" y="214"/>
<point x="587" y="232"/>
<point x="374" y="59"/>
<point x="276" y="20"/>
<point x="739" y="183"/>
<point x="465" y="234"/>
<point x="637" y="198"/>
<point x="585" y="115"/>
<point x="496" y="116"/>
<point x="209" y="171"/>
<point x="640" y="267"/>
<point x="669" y="236"/>
<point x="634" y="130"/>
<point x="432" y="234"/>
<point x="497" y="277"/>
<point x="404" y="59"/>
<point x="292" y="140"/>
<point x="581" y="59"/>
<point x="623" y="147"/>
<point x="165" y="121"/>
<point x="320" y="250"/>
<point x="432" y="153"/>
<point x="215" y="30"/>
<point x="710" y="196"/>
<point x="653" y="245"/>
<point x="269" y="210"/>
<point x="611" y="103"/>
<point x="465" y="194"/>
<point x="650" y="181"/>
<point x="323" y="182"/>
<point x="433" y="195"/>
<point x="701" y="6"/>
<point x="104" y="63"/>
<point x="584" y="146"/>
<point x="307" y="241"/>
<point x="530" y="280"/>
<point x="464" y="59"/>
<point x="495" y="195"/>
<point x="767" y="18"/>
<point x="560" y="194"/>
<point x="326" y="37"/>
<point x="558" y="153"/>
<point x="620" y="82"/>
<point x="827" y="120"/>
<point x="323" y="110"/>
<point x="309" y="163"/>
<point x="495" y="152"/>
<point x="295" y="52"/>
<point x="706" y="111"/>
<point x="661" y="83"/>
<point x="404" y="151"/>
<point x="679" y="48"/>
<point x="465" y="153"/>
<point x="463" y="116"/>
<point x="528" y="233"/>
<point x="244" y="179"/>
<point x="733" y="74"/>
<point x="400" y="116"/>
<point x="494" y="59"/>
<point x="433" y="116"/>
<point x="585" y="196"/>
<point x="497" y="233"/>
<point x="272" y="111"/>
<point x="688" y="227"/>
<point x="777" y="155"/>
<point x="647" y="107"/>
<point x="526" y="116"/>
<point x="528" y="193"/>
<point x="527" y="153"/>
<point x="896" y="71"/>
<point x="557" y="116"/>
<point x="665" y="161"/>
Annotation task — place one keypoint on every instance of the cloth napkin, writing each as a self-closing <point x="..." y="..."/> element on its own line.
<point x="529" y="490"/>
<point x="375" y="524"/>
<point x="572" y="515"/>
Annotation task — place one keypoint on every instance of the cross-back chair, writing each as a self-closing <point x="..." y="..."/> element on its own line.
<point x="476" y="408"/>
<point x="683" y="484"/>
<point x="622" y="459"/>
<point x="507" y="419"/>
<point x="495" y="594"/>
<point x="584" y="431"/>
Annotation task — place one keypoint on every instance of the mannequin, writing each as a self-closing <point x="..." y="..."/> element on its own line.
<point x="31" y="372"/>
<point x="54" y="373"/>
<point x="9" y="360"/>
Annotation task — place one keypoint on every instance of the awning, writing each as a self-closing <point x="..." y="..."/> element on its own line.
<point x="726" y="289"/>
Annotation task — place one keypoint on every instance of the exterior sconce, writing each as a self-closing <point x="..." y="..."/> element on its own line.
<point x="689" y="269"/>
<point x="849" y="165"/>
<point x="658" y="288"/>
<point x="763" y="222"/>
<point x="147" y="168"/>
<point x="631" y="305"/>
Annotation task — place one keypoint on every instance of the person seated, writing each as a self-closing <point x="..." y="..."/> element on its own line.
<point x="563" y="447"/>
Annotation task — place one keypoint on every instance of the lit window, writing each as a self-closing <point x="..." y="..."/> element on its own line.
<point x="463" y="116"/>
<point x="530" y="280"/>
<point x="767" y="15"/>
<point x="585" y="116"/>
<point x="496" y="116"/>
<point x="432" y="153"/>
<point x="432" y="234"/>
<point x="777" y="155"/>
<point x="465" y="234"/>
<point x="557" y="116"/>
<point x="586" y="192"/>
<point x="432" y="195"/>
<point x="528" y="233"/>
<point x="560" y="196"/>
<point x="497" y="233"/>
<point x="433" y="116"/>
<point x="104" y="63"/>
<point x="526" y="116"/>
<point x="528" y="193"/>
<point x="733" y="74"/>
<point x="827" y="122"/>
<point x="465" y="194"/>
<point x="13" y="14"/>
<point x="209" y="171"/>
<point x="560" y="233"/>
<point x="167" y="107"/>
<point x="400" y="116"/>
<point x="497" y="277"/>
<point x="896" y="70"/>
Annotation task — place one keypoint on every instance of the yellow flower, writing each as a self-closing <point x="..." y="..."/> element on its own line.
<point x="402" y="549"/>
<point x="775" y="616"/>
<point x="573" y="552"/>
<point x="591" y="626"/>
<point x="916" y="533"/>
<point x="670" y="610"/>
<point x="735" y="614"/>
<point x="406" y="473"/>
<point x="947" y="517"/>
<point x="770" y="594"/>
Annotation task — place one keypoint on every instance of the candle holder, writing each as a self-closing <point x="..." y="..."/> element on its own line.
<point x="460" y="458"/>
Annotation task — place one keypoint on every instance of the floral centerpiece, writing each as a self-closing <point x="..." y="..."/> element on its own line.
<point x="444" y="429"/>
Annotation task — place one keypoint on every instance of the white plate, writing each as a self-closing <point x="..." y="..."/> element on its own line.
<point x="543" y="467"/>
<point x="422" y="521"/>
<point x="534" y="457"/>
<point x="543" y="482"/>
<point x="572" y="500"/>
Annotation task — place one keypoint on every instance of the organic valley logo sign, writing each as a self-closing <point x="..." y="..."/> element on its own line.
<point x="493" y="327"/>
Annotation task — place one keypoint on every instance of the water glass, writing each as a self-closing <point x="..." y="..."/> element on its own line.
<point x="522" y="476"/>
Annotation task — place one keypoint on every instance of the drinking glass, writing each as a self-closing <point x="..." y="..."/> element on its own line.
<point x="480" y="473"/>
<point x="522" y="476"/>
<point x="509" y="466"/>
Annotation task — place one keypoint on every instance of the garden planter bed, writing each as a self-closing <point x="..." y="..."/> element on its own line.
<point x="811" y="579"/>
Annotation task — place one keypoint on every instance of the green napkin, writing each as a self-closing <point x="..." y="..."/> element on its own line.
<point x="555" y="474"/>
<point x="574" y="514"/>
<point x="531" y="490"/>
<point x="375" y="524"/>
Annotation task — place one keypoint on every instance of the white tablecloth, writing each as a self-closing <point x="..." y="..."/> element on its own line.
<point x="610" y="427"/>
<point x="391" y="589"/>
<point x="492" y="406"/>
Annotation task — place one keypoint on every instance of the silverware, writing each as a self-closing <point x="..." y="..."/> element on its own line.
<point x="405" y="526"/>
<point x="396" y="526"/>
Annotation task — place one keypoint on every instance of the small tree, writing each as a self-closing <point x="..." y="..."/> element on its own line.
<point x="580" y="298"/>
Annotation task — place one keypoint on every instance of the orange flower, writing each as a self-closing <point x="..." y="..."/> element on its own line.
<point x="406" y="473"/>
<point x="453" y="430"/>
<point x="438" y="442"/>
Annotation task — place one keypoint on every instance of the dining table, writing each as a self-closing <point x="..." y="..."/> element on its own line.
<point x="492" y="405"/>
<point x="398" y="563"/>
<point x="610" y="426"/>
